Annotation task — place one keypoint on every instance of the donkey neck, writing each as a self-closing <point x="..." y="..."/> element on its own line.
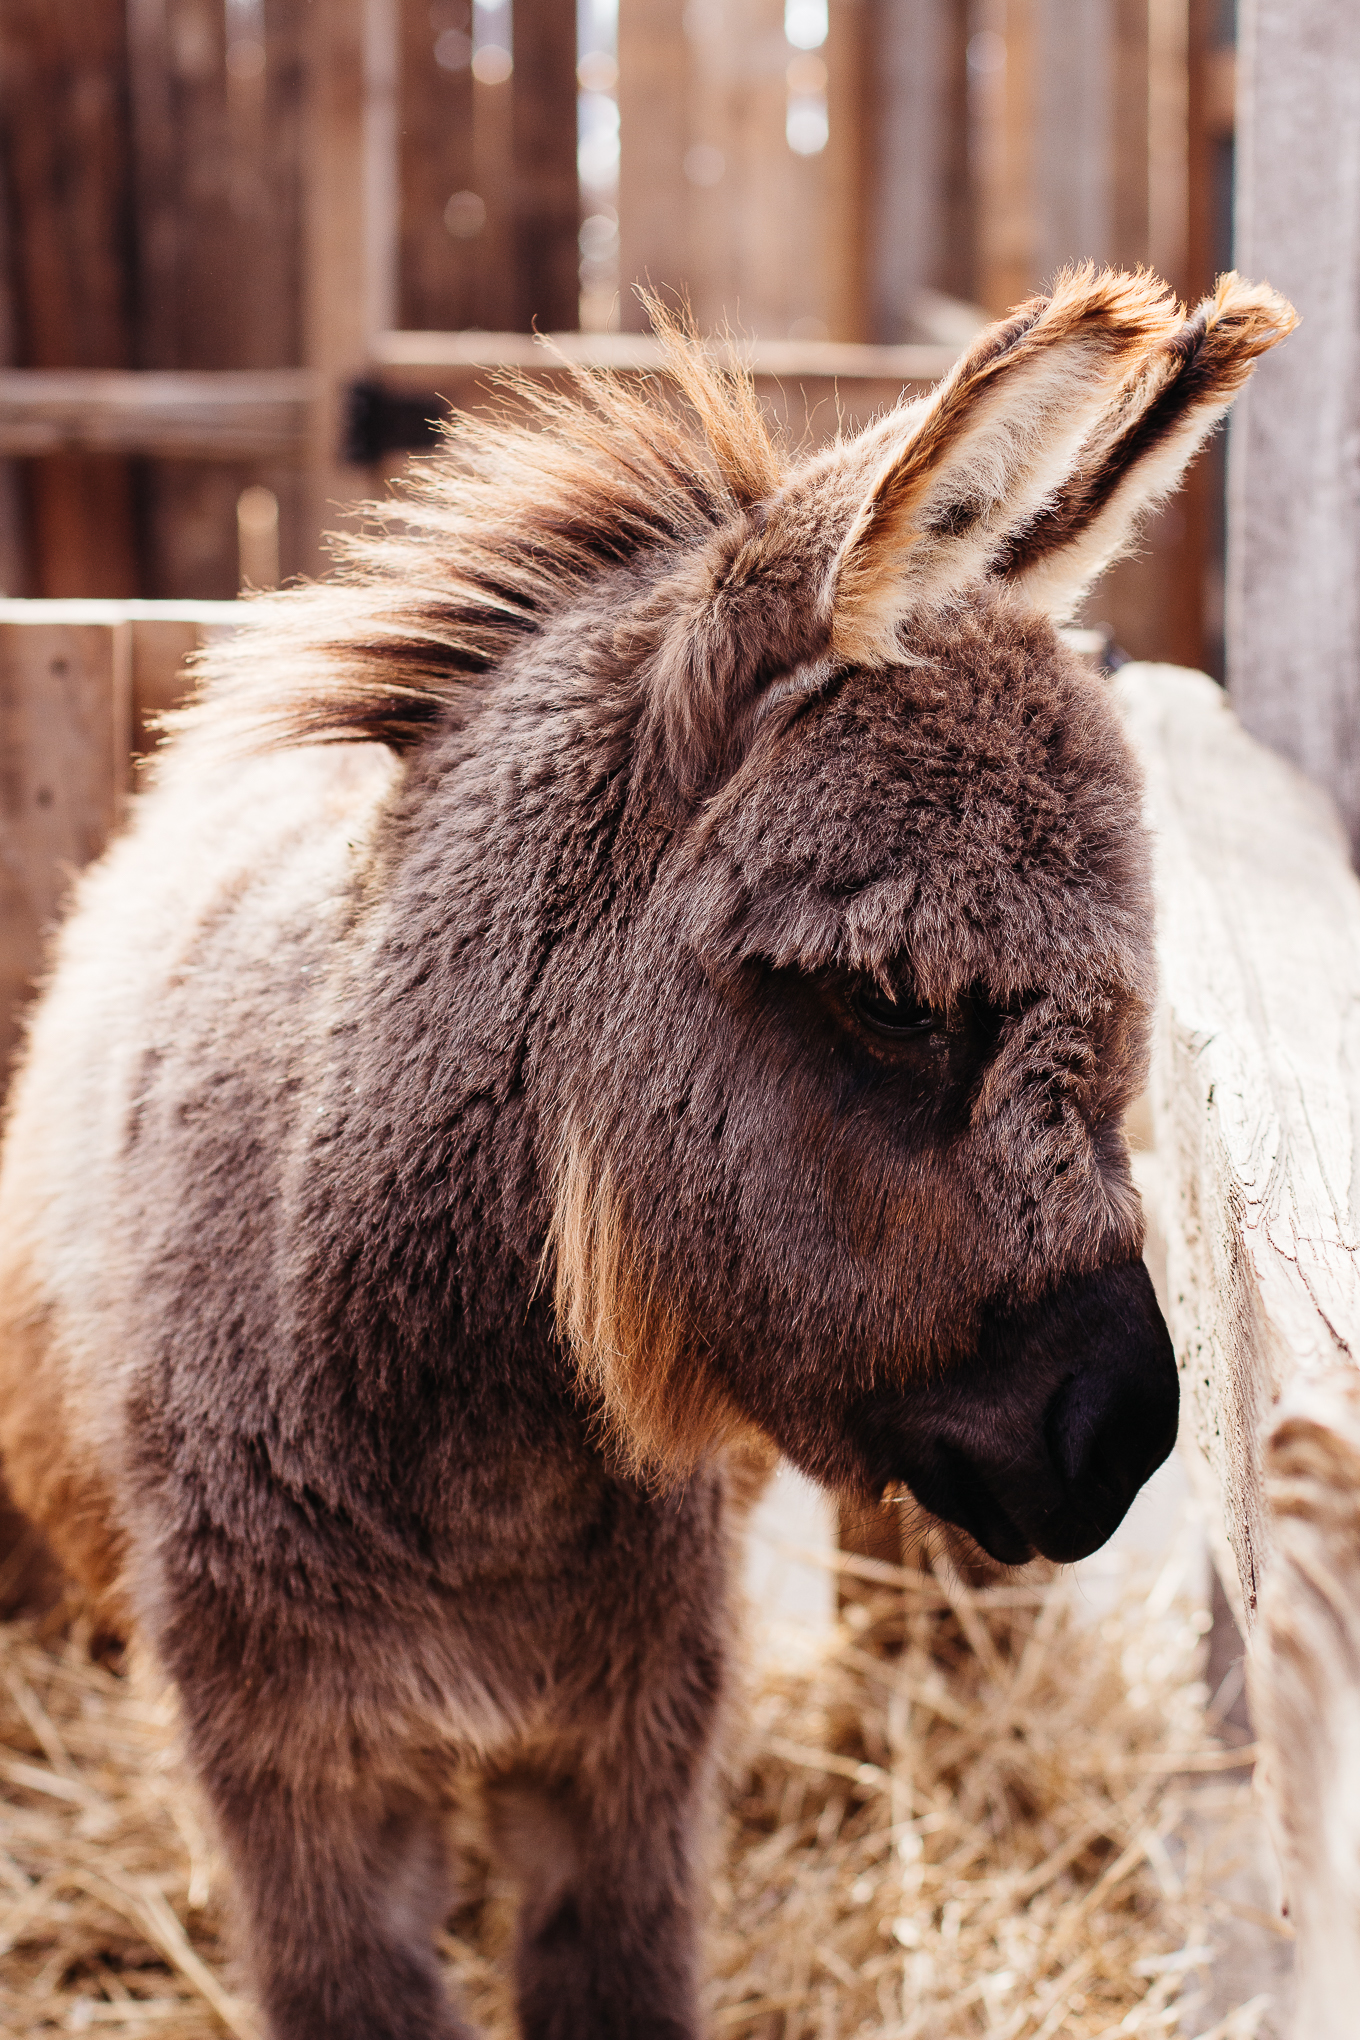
<point x="517" y="836"/>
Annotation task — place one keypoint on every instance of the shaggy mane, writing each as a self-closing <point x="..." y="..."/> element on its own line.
<point x="512" y="517"/>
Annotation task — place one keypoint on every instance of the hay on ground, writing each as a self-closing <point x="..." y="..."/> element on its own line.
<point x="960" y="1814"/>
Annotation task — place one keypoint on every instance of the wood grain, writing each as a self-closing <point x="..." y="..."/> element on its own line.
<point x="65" y="742"/>
<point x="80" y="685"/>
<point x="1294" y="475"/>
<point x="1256" y="1096"/>
<point x="221" y="414"/>
<point x="65" y="150"/>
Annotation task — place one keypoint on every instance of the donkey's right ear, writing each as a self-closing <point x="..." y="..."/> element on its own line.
<point x="996" y="440"/>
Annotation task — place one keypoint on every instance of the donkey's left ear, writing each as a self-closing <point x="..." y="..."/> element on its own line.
<point x="991" y="446"/>
<point x="1142" y="446"/>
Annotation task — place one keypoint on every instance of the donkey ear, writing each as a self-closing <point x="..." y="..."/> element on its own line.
<point x="1141" y="448"/>
<point x="997" y="438"/>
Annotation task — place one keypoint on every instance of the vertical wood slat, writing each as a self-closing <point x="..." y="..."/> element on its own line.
<point x="65" y="742"/>
<point x="216" y="105"/>
<point x="438" y="266"/>
<point x="654" y="123"/>
<point x="80" y="685"/>
<point x="547" y="198"/>
<point x="350" y="231"/>
<point x="918" y="196"/>
<point x="1294" y="474"/>
<point x="64" y="133"/>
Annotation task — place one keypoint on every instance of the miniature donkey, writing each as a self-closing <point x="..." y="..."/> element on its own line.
<point x="644" y="968"/>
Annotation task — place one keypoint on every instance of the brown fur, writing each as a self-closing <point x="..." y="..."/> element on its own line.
<point x="692" y="886"/>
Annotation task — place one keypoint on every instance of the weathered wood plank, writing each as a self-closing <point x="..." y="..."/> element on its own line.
<point x="230" y="415"/>
<point x="65" y="144"/>
<point x="212" y="414"/>
<point x="350" y="228"/>
<point x="65" y="742"/>
<point x="1256" y="1095"/>
<point x="547" y="199"/>
<point x="919" y="200"/>
<point x="438" y="260"/>
<point x="80" y="684"/>
<point x="216" y="114"/>
<point x="1294" y="470"/>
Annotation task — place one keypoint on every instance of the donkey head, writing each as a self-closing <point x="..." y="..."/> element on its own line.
<point x="843" y="1157"/>
<point x="831" y="1064"/>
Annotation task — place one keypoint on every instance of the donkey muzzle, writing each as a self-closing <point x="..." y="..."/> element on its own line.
<point x="1040" y="1442"/>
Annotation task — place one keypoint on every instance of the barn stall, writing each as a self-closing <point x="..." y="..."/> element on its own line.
<point x="1086" y="1872"/>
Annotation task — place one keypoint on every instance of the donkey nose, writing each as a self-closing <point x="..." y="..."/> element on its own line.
<point x="1112" y="1422"/>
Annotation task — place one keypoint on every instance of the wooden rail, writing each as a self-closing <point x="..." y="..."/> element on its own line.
<point x="1256" y="1097"/>
<point x="194" y="414"/>
<point x="271" y="414"/>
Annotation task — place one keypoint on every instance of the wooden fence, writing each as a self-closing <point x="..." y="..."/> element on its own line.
<point x="251" y="226"/>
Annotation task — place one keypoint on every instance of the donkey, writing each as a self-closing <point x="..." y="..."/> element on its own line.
<point x="641" y="972"/>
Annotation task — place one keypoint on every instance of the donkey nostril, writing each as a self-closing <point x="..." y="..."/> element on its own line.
<point x="1108" y="1429"/>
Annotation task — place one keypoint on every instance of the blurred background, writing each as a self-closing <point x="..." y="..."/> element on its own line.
<point x="249" y="247"/>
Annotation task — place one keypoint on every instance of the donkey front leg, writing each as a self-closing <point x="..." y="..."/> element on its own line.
<point x="341" y="1875"/>
<point x="606" y="1946"/>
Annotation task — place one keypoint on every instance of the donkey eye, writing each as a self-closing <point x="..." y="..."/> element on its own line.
<point x="898" y="1018"/>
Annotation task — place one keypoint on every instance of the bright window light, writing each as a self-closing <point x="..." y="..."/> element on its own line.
<point x="805" y="24"/>
<point x="807" y="127"/>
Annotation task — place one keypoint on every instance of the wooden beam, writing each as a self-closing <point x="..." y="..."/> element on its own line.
<point x="811" y="388"/>
<point x="231" y="415"/>
<point x="221" y="414"/>
<point x="1256" y="1099"/>
<point x="1293" y="605"/>
<point x="418" y="353"/>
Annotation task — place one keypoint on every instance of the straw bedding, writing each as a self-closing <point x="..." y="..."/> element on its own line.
<point x="962" y="1813"/>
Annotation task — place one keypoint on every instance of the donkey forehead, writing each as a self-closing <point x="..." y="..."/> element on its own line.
<point x="976" y="811"/>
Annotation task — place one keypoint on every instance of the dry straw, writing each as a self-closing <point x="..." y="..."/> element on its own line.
<point x="962" y="1814"/>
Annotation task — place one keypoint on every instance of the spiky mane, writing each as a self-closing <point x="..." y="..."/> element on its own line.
<point x="480" y="544"/>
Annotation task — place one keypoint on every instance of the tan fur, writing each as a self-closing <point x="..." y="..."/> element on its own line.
<point x="454" y="570"/>
<point x="639" y="1361"/>
<point x="53" y="1474"/>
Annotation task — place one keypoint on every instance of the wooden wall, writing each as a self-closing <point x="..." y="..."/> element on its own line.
<point x="181" y="188"/>
<point x="188" y="185"/>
